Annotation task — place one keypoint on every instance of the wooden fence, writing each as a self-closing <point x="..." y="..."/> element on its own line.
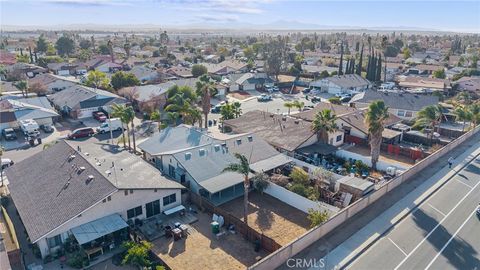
<point x="249" y="233"/>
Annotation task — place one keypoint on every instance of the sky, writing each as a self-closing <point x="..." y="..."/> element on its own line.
<point x="461" y="16"/>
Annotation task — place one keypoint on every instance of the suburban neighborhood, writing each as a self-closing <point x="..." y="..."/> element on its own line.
<point x="243" y="146"/>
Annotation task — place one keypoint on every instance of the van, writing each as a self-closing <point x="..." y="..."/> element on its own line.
<point x="81" y="133"/>
<point x="29" y="127"/>
<point x="113" y="124"/>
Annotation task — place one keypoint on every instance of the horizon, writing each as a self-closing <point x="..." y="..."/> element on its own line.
<point x="244" y="14"/>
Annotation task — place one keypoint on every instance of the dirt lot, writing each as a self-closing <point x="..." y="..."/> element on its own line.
<point x="271" y="217"/>
<point x="241" y="95"/>
<point x="365" y="151"/>
<point x="202" y="250"/>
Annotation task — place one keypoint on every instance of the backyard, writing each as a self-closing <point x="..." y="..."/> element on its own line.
<point x="201" y="249"/>
<point x="270" y="216"/>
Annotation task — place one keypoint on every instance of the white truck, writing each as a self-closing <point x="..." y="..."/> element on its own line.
<point x="113" y="124"/>
<point x="29" y="127"/>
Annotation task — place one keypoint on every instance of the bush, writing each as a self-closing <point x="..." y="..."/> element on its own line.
<point x="260" y="182"/>
<point x="77" y="260"/>
<point x="137" y="253"/>
<point x="317" y="217"/>
<point x="313" y="194"/>
<point x="299" y="176"/>
<point x="299" y="189"/>
<point x="199" y="70"/>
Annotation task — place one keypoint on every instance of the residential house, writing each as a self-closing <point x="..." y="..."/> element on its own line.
<point x="226" y="67"/>
<point x="144" y="74"/>
<point x="471" y="84"/>
<point x="184" y="152"/>
<point x="315" y="71"/>
<point x="338" y="84"/>
<point x="63" y="69"/>
<point x="53" y="83"/>
<point x="109" y="67"/>
<point x="80" y="101"/>
<point x="425" y="69"/>
<point x="403" y="105"/>
<point x="13" y="110"/>
<point x="250" y="81"/>
<point x="24" y="69"/>
<point x="179" y="71"/>
<point x="423" y="83"/>
<point x="7" y="58"/>
<point x="88" y="192"/>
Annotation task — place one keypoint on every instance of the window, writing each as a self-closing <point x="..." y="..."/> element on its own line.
<point x="155" y="190"/>
<point x="109" y="198"/>
<point x="134" y="212"/>
<point x="104" y="200"/>
<point x="408" y="114"/>
<point x="400" y="113"/>
<point x="152" y="208"/>
<point x="54" y="241"/>
<point x="171" y="171"/>
<point x="169" y="199"/>
<point x="126" y="192"/>
<point x="131" y="191"/>
<point x="339" y="138"/>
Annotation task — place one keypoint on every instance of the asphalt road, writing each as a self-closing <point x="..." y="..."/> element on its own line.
<point x="443" y="233"/>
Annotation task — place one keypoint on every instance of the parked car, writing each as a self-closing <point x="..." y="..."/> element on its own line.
<point x="218" y="107"/>
<point x="100" y="116"/>
<point x="264" y="97"/>
<point x="316" y="99"/>
<point x="81" y="133"/>
<point x="113" y="124"/>
<point x="47" y="128"/>
<point x="307" y="90"/>
<point x="9" y="134"/>
<point x="6" y="162"/>
<point x="345" y="99"/>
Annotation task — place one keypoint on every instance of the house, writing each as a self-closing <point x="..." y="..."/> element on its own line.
<point x="249" y="81"/>
<point x="109" y="67"/>
<point x="53" y="83"/>
<point x="403" y="105"/>
<point x="350" y="83"/>
<point x="24" y="69"/>
<point x="144" y="73"/>
<point x="63" y="69"/>
<point x="179" y="71"/>
<point x="417" y="82"/>
<point x="226" y="67"/>
<point x="87" y="192"/>
<point x="471" y="84"/>
<point x="13" y="110"/>
<point x="80" y="101"/>
<point x="315" y="71"/>
<point x="183" y="153"/>
<point x="428" y="69"/>
<point x="7" y="58"/>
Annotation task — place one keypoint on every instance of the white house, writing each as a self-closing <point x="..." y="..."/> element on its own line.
<point x="340" y="84"/>
<point x="53" y="83"/>
<point x="87" y="192"/>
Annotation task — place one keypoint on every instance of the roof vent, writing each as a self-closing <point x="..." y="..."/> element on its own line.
<point x="201" y="152"/>
<point x="250" y="138"/>
<point x="271" y="115"/>
<point x="91" y="177"/>
<point x="108" y="172"/>
<point x="81" y="169"/>
<point x="71" y="157"/>
<point x="296" y="121"/>
<point x="224" y="144"/>
<point x="239" y="141"/>
<point x="188" y="155"/>
<point x="284" y="118"/>
<point x="216" y="147"/>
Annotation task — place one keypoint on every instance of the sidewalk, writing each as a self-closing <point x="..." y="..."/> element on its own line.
<point x="346" y="241"/>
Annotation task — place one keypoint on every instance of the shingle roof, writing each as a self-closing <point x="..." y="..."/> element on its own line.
<point x="47" y="190"/>
<point x="349" y="80"/>
<point x="404" y="101"/>
<point x="338" y="110"/>
<point x="174" y="139"/>
<point x="357" y="120"/>
<point x="74" y="95"/>
<point x="283" y="132"/>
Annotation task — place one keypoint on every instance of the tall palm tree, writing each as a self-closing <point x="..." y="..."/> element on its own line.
<point x="298" y="104"/>
<point x="375" y="118"/>
<point x="243" y="168"/>
<point x="157" y="117"/>
<point x="23" y="87"/>
<point x="205" y="86"/>
<point x="429" y="117"/>
<point x="129" y="117"/>
<point x="474" y="111"/>
<point x="110" y="50"/>
<point x="127" y="47"/>
<point x="288" y="105"/>
<point x="462" y="114"/>
<point x="323" y="124"/>
<point x="119" y="111"/>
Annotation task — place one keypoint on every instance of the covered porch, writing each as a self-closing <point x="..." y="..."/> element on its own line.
<point x="226" y="195"/>
<point x="101" y="236"/>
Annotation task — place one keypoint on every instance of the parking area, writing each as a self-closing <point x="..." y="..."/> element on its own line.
<point x="270" y="216"/>
<point x="201" y="249"/>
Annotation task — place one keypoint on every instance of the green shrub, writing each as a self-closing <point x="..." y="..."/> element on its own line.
<point x="299" y="189"/>
<point x="299" y="176"/>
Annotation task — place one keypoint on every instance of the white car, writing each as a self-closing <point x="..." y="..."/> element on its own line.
<point x="264" y="97"/>
<point x="6" y="162"/>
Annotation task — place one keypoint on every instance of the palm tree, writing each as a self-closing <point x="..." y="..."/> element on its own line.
<point x="23" y="87"/>
<point x="243" y="168"/>
<point x="323" y="124"/>
<point x="474" y="111"/>
<point x="129" y="116"/>
<point x="237" y="110"/>
<point x="462" y="114"/>
<point x="119" y="111"/>
<point x="298" y="104"/>
<point x="127" y="47"/>
<point x="192" y="115"/>
<point x="156" y="116"/>
<point x="289" y="106"/>
<point x="110" y="50"/>
<point x="204" y="87"/>
<point x="429" y="117"/>
<point x="375" y="118"/>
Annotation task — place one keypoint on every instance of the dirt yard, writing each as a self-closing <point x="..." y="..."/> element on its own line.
<point x="202" y="250"/>
<point x="241" y="95"/>
<point x="270" y="216"/>
<point x="365" y="151"/>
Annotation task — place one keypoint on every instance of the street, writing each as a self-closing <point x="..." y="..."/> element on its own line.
<point x="442" y="233"/>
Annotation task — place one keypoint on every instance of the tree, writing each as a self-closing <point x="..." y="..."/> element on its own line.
<point x="298" y="104"/>
<point x="299" y="176"/>
<point x="23" y="87"/>
<point x="474" y="110"/>
<point x="340" y="67"/>
<point x="323" y="124"/>
<point x="110" y="50"/>
<point x="51" y="50"/>
<point x="359" y="68"/>
<point x="391" y="51"/>
<point x="137" y="253"/>
<point x="260" y="182"/>
<point x="65" y="45"/>
<point x="317" y="217"/>
<point x="429" y="118"/>
<point x="122" y="79"/>
<point x="440" y="74"/>
<point x="288" y="105"/>
<point x="406" y="53"/>
<point x="275" y="54"/>
<point x="377" y="114"/>
<point x="22" y="58"/>
<point x="230" y="111"/>
<point x="249" y="53"/>
<point x="129" y="117"/>
<point x="103" y="49"/>
<point x="97" y="79"/>
<point x="84" y="55"/>
<point x="335" y="100"/>
<point x="462" y="114"/>
<point x="324" y="74"/>
<point x="205" y="87"/>
<point x="243" y="168"/>
<point x="157" y="117"/>
<point x="118" y="110"/>
<point x="38" y="88"/>
<point x="42" y="44"/>
<point x="199" y="70"/>
<point x="85" y="44"/>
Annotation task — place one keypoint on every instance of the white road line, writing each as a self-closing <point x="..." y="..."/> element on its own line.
<point x="460" y="181"/>
<point x="439" y="223"/>
<point x="434" y="208"/>
<point x="451" y="238"/>
<point x="404" y="253"/>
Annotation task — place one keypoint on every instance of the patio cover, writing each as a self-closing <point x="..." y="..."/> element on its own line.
<point x="98" y="228"/>
<point x="319" y="147"/>
<point x="222" y="181"/>
<point x="174" y="210"/>
<point x="270" y="163"/>
<point x="390" y="134"/>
